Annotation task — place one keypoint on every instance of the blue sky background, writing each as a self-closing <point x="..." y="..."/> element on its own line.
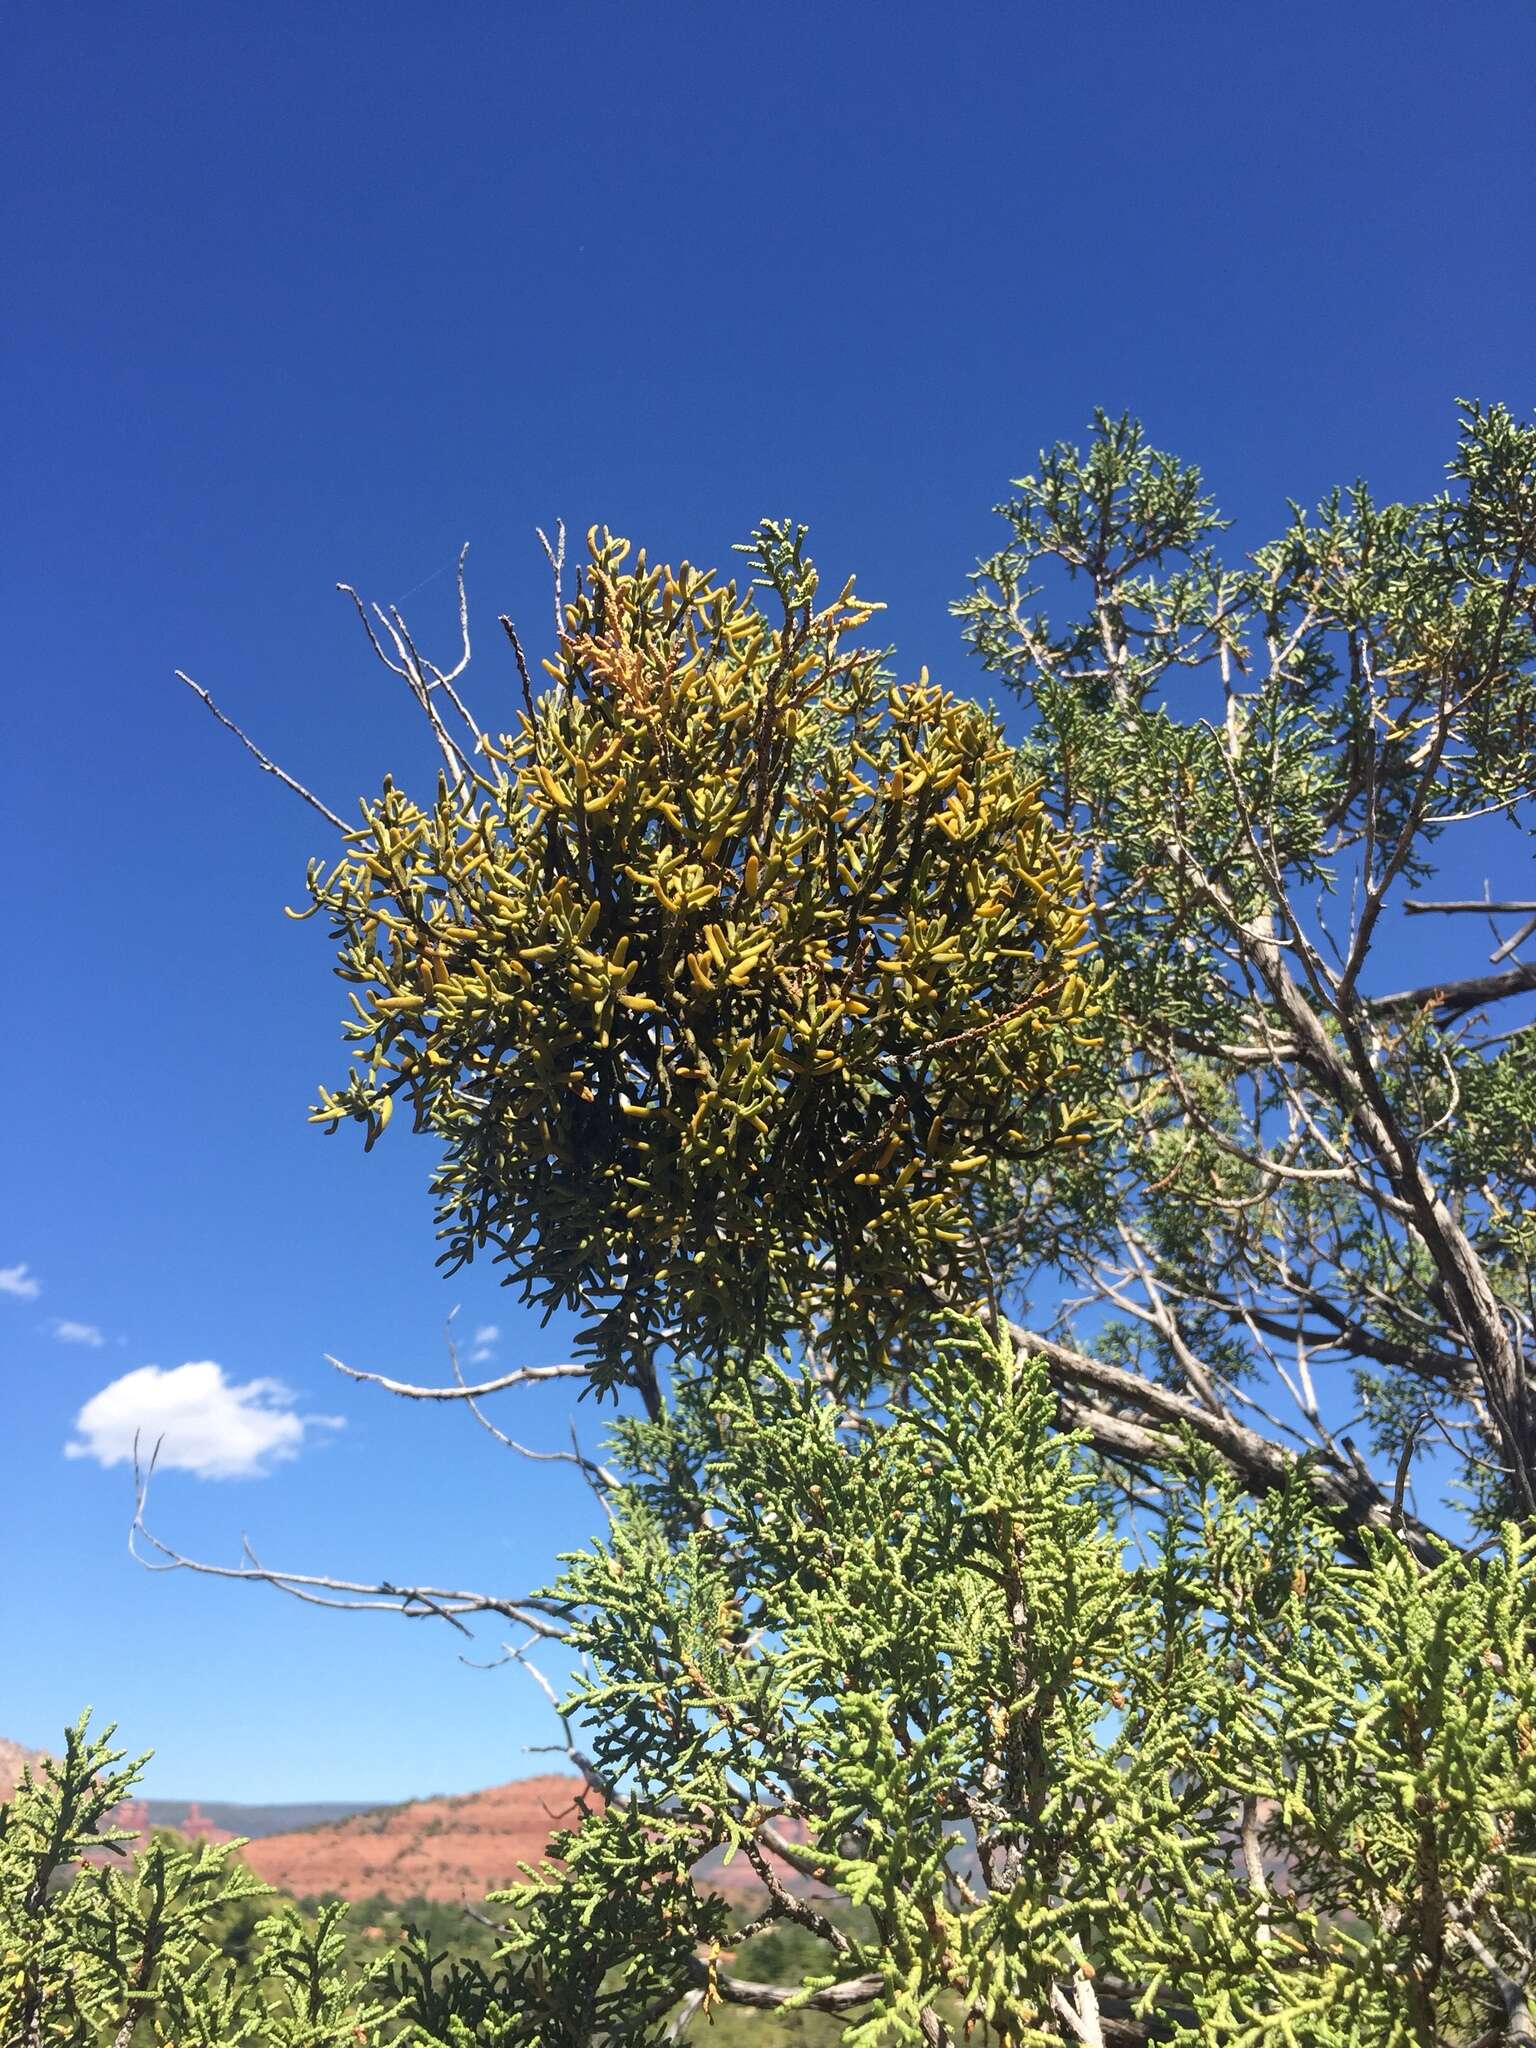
<point x="303" y="292"/>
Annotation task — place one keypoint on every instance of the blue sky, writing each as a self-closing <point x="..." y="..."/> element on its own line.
<point x="299" y="293"/>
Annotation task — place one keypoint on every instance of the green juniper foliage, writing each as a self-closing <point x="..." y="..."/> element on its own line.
<point x="1314" y="1180"/>
<point x="130" y="1951"/>
<point x="180" y="1945"/>
<point x="1091" y="1671"/>
<point x="1233" y="1790"/>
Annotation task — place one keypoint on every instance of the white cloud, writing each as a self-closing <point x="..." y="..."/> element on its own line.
<point x="78" y="1333"/>
<point x="487" y="1333"/>
<point x="205" y="1424"/>
<point x="18" y="1281"/>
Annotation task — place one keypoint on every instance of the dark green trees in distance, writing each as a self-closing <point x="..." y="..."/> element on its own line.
<point x="1080" y="1512"/>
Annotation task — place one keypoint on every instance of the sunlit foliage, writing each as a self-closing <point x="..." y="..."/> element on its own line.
<point x="1233" y="1786"/>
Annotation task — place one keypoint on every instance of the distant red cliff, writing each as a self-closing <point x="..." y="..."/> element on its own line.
<point x="446" y="1848"/>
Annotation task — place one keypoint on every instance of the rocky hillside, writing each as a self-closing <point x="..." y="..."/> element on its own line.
<point x="447" y="1848"/>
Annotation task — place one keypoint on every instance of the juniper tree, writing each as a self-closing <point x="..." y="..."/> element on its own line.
<point x="1320" y="1187"/>
<point x="799" y="1031"/>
